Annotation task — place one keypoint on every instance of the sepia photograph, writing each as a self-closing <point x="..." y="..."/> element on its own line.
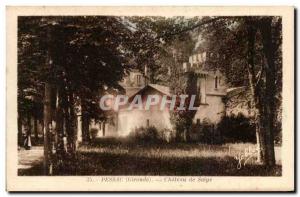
<point x="150" y="98"/>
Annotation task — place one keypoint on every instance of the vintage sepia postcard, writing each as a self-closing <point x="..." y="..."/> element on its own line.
<point x="150" y="99"/>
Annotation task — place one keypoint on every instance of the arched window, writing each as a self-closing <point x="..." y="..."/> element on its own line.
<point x="216" y="82"/>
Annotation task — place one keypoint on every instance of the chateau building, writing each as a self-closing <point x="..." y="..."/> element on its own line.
<point x="212" y="89"/>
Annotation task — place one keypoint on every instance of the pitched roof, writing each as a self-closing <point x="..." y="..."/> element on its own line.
<point x="132" y="90"/>
<point x="162" y="89"/>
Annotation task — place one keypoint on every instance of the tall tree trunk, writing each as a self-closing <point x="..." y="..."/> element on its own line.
<point x="47" y="127"/>
<point x="262" y="100"/>
<point x="85" y="125"/>
<point x="28" y="133"/>
<point x="103" y="128"/>
<point x="60" y="151"/>
<point x="20" y="135"/>
<point x="71" y="126"/>
<point x="67" y="122"/>
<point x="265" y="26"/>
<point x="35" y="128"/>
<point x="252" y="84"/>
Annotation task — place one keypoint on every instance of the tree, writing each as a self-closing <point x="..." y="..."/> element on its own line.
<point x="163" y="52"/>
<point x="252" y="44"/>
<point x="182" y="83"/>
<point x="82" y="55"/>
<point x="265" y="26"/>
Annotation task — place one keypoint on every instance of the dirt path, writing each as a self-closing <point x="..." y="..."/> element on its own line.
<point x="29" y="158"/>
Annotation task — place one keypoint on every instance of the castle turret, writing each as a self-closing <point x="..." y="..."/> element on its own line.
<point x="197" y="60"/>
<point x="195" y="65"/>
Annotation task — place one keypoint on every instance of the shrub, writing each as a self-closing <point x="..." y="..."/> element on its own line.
<point x="144" y="134"/>
<point x="205" y="132"/>
<point x="151" y="135"/>
<point x="237" y="128"/>
<point x="94" y="133"/>
<point x="166" y="135"/>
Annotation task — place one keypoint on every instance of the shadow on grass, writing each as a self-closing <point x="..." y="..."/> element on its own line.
<point x="120" y="157"/>
<point x="107" y="164"/>
<point x="36" y="170"/>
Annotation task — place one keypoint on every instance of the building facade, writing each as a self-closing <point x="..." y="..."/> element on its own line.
<point x="212" y="90"/>
<point x="216" y="100"/>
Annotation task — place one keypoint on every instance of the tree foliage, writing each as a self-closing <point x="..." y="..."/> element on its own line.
<point x="82" y="57"/>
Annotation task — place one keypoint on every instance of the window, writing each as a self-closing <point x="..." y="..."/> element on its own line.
<point x="148" y="123"/>
<point x="198" y="121"/>
<point x="216" y="82"/>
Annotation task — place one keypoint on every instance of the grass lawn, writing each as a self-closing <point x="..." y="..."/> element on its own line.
<point x="117" y="157"/>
